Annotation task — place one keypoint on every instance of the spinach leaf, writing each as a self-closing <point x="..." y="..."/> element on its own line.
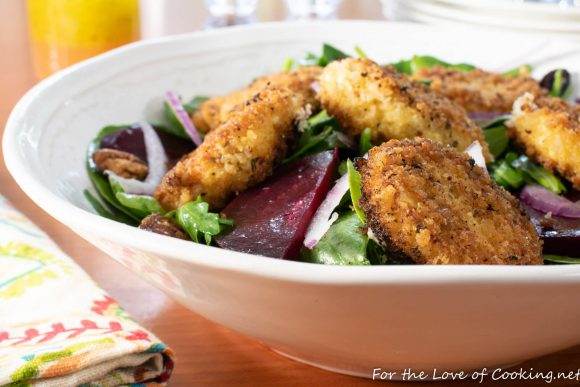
<point x="344" y="243"/>
<point x="320" y="134"/>
<point x="195" y="218"/>
<point x="194" y="103"/>
<point x="419" y="62"/>
<point x="140" y="205"/>
<point x="560" y="259"/>
<point x="355" y="190"/>
<point x="329" y="54"/>
<point x="497" y="139"/>
<point x="106" y="213"/>
<point x="172" y="124"/>
<point x="99" y="181"/>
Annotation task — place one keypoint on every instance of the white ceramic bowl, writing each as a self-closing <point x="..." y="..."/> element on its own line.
<point x="347" y="319"/>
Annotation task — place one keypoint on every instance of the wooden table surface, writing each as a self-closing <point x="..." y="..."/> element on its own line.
<point x="207" y="354"/>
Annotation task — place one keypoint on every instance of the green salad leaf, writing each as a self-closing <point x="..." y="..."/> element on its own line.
<point x="538" y="174"/>
<point x="359" y="51"/>
<point x="355" y="190"/>
<point x="419" y="62"/>
<point x="520" y="70"/>
<point x="194" y="103"/>
<point x="320" y="134"/>
<point x="506" y="176"/>
<point x="329" y="54"/>
<point x="140" y="205"/>
<point x="497" y="139"/>
<point x="344" y="243"/>
<point x="101" y="183"/>
<point x="288" y="64"/>
<point x="560" y="259"/>
<point x="365" y="143"/>
<point x="103" y="211"/>
<point x="194" y="217"/>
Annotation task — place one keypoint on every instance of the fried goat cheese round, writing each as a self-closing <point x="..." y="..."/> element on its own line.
<point x="361" y="94"/>
<point x="430" y="204"/>
<point x="215" y="111"/>
<point x="238" y="154"/>
<point x="478" y="90"/>
<point x="548" y="130"/>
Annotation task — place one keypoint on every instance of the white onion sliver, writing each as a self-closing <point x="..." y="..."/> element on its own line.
<point x="183" y="117"/>
<point x="324" y="216"/>
<point x="156" y="161"/>
<point x="475" y="151"/>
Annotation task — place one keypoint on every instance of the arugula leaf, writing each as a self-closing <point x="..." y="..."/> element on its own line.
<point x="497" y="139"/>
<point x="551" y="259"/>
<point x="355" y="190"/>
<point x="320" y="134"/>
<point x="99" y="181"/>
<point x="365" y="143"/>
<point x="195" y="218"/>
<point x="194" y="103"/>
<point x="344" y="243"/>
<point x="140" y="205"/>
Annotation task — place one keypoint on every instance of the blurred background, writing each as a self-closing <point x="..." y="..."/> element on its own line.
<point x="62" y="32"/>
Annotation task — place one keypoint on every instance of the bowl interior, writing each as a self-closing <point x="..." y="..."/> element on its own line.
<point x="48" y="133"/>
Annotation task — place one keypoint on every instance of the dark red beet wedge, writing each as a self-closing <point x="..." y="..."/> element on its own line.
<point x="561" y="236"/>
<point x="131" y="140"/>
<point x="272" y="219"/>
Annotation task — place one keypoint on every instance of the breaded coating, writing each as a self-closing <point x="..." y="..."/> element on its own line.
<point x="431" y="204"/>
<point x="361" y="94"/>
<point x="548" y="130"/>
<point x="478" y="90"/>
<point x="238" y="154"/>
<point x="214" y="111"/>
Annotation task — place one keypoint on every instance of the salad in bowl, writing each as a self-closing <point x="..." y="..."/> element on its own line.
<point x="337" y="159"/>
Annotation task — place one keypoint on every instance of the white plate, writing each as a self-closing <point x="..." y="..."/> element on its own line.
<point x="348" y="319"/>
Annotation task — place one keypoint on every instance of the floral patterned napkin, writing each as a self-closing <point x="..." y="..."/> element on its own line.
<point x="57" y="327"/>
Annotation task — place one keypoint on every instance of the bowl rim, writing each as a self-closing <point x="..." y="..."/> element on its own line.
<point x="227" y="260"/>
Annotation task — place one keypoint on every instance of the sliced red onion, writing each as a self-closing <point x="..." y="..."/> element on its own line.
<point x="345" y="140"/>
<point x="325" y="215"/>
<point x="156" y="161"/>
<point x="475" y="151"/>
<point x="543" y="200"/>
<point x="181" y="114"/>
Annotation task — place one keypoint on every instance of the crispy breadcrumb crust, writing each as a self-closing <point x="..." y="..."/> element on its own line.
<point x="433" y="205"/>
<point x="214" y="111"/>
<point x="361" y="94"/>
<point x="548" y="130"/>
<point x="238" y="154"/>
<point x="478" y="90"/>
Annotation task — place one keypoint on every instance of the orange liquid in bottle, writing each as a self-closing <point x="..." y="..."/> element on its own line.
<point x="63" y="32"/>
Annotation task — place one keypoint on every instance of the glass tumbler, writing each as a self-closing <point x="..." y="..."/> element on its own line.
<point x="63" y="32"/>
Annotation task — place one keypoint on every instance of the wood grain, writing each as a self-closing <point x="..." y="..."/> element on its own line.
<point x="207" y="354"/>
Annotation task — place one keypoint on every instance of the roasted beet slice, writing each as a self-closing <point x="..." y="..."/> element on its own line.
<point x="561" y="236"/>
<point x="130" y="140"/>
<point x="272" y="219"/>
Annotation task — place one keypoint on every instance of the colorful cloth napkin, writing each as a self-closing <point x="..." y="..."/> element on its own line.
<point x="57" y="327"/>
